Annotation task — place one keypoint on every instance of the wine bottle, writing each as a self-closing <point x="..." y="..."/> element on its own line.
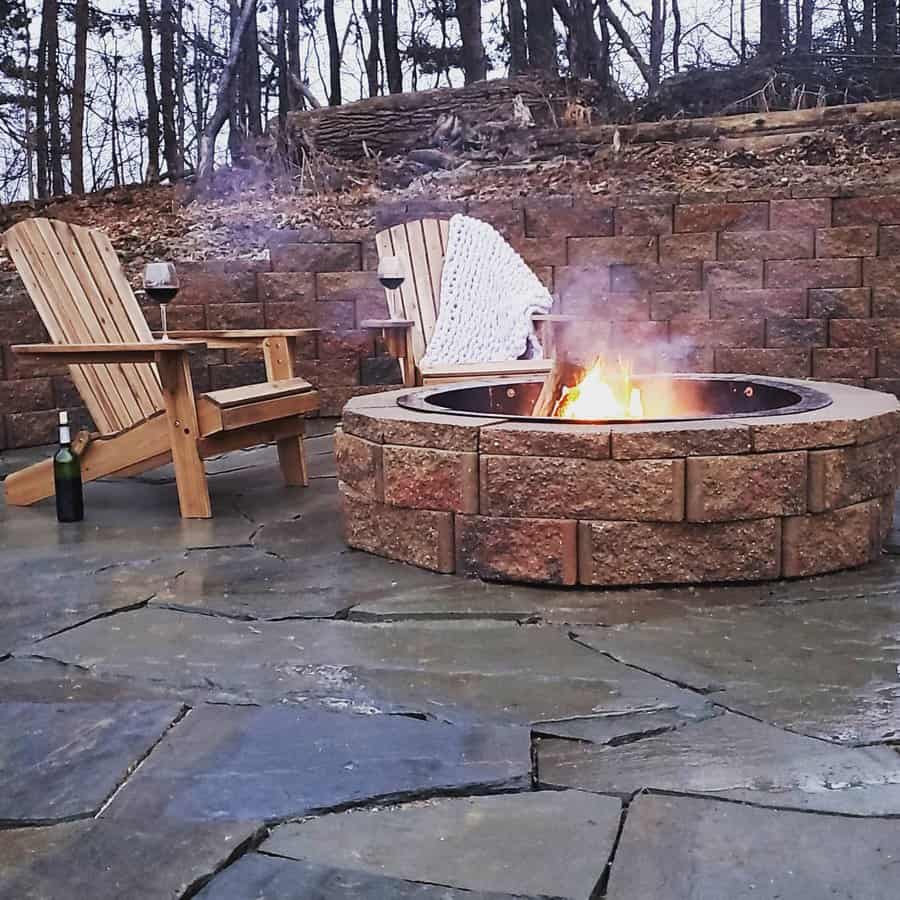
<point x="67" y="476"/>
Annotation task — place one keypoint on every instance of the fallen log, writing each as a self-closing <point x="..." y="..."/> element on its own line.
<point x="591" y="137"/>
<point x="397" y="123"/>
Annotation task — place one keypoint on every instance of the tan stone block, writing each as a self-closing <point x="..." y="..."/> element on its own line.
<point x="813" y="273"/>
<point x="608" y="250"/>
<point x="644" y="490"/>
<point x="800" y="213"/>
<point x="759" y="303"/>
<point x="391" y="424"/>
<point x="714" y="438"/>
<point x="741" y="274"/>
<point x="644" y="220"/>
<point x="843" y="362"/>
<point x="672" y="553"/>
<point x="776" y="363"/>
<point x="852" y="240"/>
<point x="420" y="537"/>
<point x="546" y="439"/>
<point x="531" y="550"/>
<point x="850" y="475"/>
<point x="359" y="464"/>
<point x="676" y="276"/>
<point x="725" y="488"/>
<point x="804" y="431"/>
<point x="886" y="516"/>
<point x="668" y="305"/>
<point x="793" y="244"/>
<point x="687" y="247"/>
<point x="840" y="303"/>
<point x="722" y="217"/>
<point x="826" y="542"/>
<point x="422" y="478"/>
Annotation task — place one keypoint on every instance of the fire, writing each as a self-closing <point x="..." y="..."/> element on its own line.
<point x="601" y="396"/>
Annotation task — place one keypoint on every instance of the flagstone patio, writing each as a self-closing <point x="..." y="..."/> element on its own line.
<point x="243" y="707"/>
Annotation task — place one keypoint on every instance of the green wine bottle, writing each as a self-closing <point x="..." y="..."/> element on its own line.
<point x="67" y="476"/>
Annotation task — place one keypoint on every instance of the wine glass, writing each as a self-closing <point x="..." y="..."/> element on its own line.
<point x="391" y="275"/>
<point x="161" y="286"/>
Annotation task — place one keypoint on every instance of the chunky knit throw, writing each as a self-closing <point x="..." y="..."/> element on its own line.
<point x="488" y="296"/>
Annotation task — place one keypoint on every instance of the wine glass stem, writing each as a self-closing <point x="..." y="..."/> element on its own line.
<point x="162" y="314"/>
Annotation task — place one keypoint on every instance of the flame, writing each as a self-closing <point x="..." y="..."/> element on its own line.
<point x="601" y="396"/>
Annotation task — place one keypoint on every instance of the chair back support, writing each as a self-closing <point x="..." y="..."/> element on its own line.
<point x="83" y="297"/>
<point x="420" y="246"/>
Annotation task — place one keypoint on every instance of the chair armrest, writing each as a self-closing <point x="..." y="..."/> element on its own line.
<point x="553" y="317"/>
<point x="387" y="323"/>
<point x="239" y="338"/>
<point x="95" y="354"/>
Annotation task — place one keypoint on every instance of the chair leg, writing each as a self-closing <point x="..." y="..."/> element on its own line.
<point x="184" y="434"/>
<point x="279" y="356"/>
<point x="292" y="459"/>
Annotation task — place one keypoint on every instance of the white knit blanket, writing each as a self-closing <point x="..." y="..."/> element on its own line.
<point x="488" y="296"/>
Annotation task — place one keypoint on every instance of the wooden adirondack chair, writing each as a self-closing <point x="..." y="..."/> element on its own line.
<point x="420" y="247"/>
<point x="138" y="390"/>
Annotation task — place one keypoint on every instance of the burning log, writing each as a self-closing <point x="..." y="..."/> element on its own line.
<point x="563" y="374"/>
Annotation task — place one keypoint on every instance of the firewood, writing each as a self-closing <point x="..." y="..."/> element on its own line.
<point x="563" y="374"/>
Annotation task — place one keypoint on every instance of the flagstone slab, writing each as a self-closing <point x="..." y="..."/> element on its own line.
<point x="274" y="762"/>
<point x="454" y="598"/>
<point x="684" y="848"/>
<point x="548" y="843"/>
<point x="63" y="760"/>
<point x="268" y="878"/>
<point x="42" y="595"/>
<point x="104" y="860"/>
<point x="732" y="756"/>
<point x="626" y="727"/>
<point x="828" y="669"/>
<point x="247" y="583"/>
<point x="457" y="671"/>
<point x="47" y="681"/>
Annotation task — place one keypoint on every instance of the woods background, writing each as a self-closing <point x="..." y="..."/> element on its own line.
<point x="96" y="94"/>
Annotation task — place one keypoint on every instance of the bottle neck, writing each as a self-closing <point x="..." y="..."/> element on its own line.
<point x="65" y="435"/>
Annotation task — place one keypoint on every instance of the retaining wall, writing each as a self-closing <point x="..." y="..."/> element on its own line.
<point x="795" y="283"/>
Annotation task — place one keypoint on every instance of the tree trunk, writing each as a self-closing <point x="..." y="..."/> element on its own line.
<point x="468" y="14"/>
<point x="76" y="127"/>
<point x="391" y="47"/>
<point x="851" y="44"/>
<point x="805" y="28"/>
<point x="867" y="31"/>
<point x="885" y="27"/>
<point x="604" y="42"/>
<point x="224" y="96"/>
<point x="281" y="51"/>
<point x="582" y="43"/>
<point x="293" y="51"/>
<point x="167" y="87"/>
<point x="55" y="149"/>
<point x="334" y="55"/>
<point x="179" y="80"/>
<point x="373" y="54"/>
<point x="770" y="31"/>
<point x="629" y="45"/>
<point x="150" y="89"/>
<point x="251" y="79"/>
<point x="518" y="49"/>
<point x="657" y="37"/>
<point x="40" y="128"/>
<point x="541" y="37"/>
<point x="676" y="37"/>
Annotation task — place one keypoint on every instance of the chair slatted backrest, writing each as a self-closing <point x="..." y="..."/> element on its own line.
<point x="78" y="287"/>
<point x="420" y="246"/>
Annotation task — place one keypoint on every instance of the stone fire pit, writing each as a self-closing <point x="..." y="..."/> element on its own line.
<point x="757" y="479"/>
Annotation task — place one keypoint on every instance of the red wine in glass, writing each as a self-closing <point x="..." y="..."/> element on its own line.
<point x="392" y="276"/>
<point x="161" y="286"/>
